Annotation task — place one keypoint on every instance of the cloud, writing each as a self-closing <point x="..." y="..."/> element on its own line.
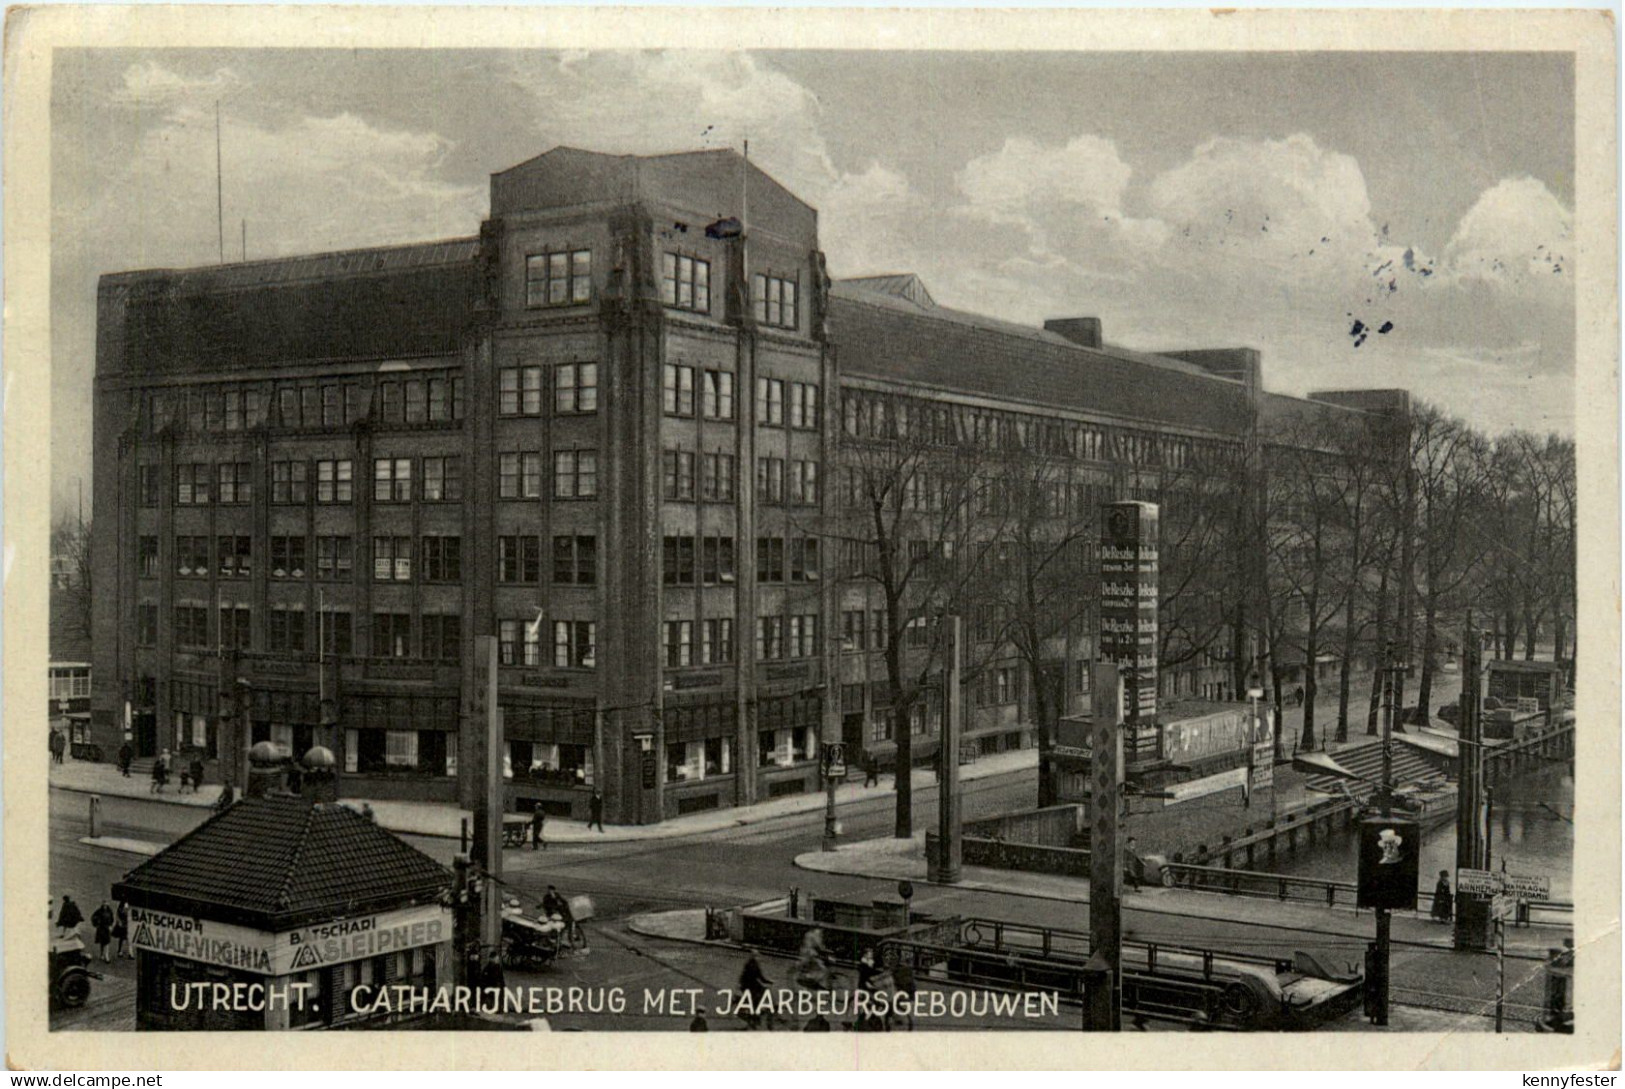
<point x="151" y="84"/>
<point x="1516" y="233"/>
<point x="1024" y="176"/>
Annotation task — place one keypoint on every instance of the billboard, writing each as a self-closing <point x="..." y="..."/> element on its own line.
<point x="1128" y="615"/>
<point x="1390" y="862"/>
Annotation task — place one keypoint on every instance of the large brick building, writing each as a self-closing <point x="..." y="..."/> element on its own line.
<point x="606" y="431"/>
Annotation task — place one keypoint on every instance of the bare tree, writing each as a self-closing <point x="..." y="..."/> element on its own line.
<point x="915" y="526"/>
<point x="71" y="571"/>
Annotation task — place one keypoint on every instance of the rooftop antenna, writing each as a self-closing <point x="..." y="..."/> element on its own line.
<point x="219" y="192"/>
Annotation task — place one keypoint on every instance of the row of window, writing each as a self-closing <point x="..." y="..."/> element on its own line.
<point x="773" y="395"/>
<point x="432" y="397"/>
<point x="709" y="561"/>
<point x="519" y="476"/>
<point x="575" y="558"/>
<point x="716" y="642"/>
<point x="716" y="477"/>
<point x="575" y="389"/>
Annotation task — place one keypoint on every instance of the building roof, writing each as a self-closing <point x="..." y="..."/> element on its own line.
<point x="389" y="302"/>
<point x="280" y="861"/>
<point x="881" y="332"/>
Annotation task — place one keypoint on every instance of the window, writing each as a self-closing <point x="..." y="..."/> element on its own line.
<point x="519" y="391"/>
<point x="191" y="625"/>
<point x="417" y="403"/>
<point x="677" y="565"/>
<point x="286" y="631"/>
<point x="804" y="406"/>
<point x="443" y="479"/>
<point x="716" y="561"/>
<point x="769" y="559"/>
<point x="389" y="402"/>
<point x="335" y="557"/>
<point x="288" y="484"/>
<point x="685" y="282"/>
<point x="147" y="484"/>
<point x="336" y="632"/>
<point x="392" y="635"/>
<point x="770" y="480"/>
<point x="392" y="480"/>
<point x="519" y="642"/>
<point x="334" y="483"/>
<point x="717" y="641"/>
<point x="442" y="562"/>
<point x="574" y="644"/>
<point x="192" y="556"/>
<point x="679" y="640"/>
<point x="679" y="474"/>
<point x="575" y="474"/>
<point x="332" y="406"/>
<point x="146" y="624"/>
<point x="287" y="557"/>
<point x="804" y="559"/>
<point x="773" y="300"/>
<point x="443" y="636"/>
<point x="519" y="559"/>
<point x="802" y="636"/>
<point x="803" y="481"/>
<point x="519" y="476"/>
<point x="854" y="630"/>
<point x="192" y="485"/>
<point x="392" y="559"/>
<point x="236" y="627"/>
<point x="400" y="751"/>
<point x="718" y="400"/>
<point x="575" y="560"/>
<point x="770" y="402"/>
<point x="1004" y="685"/>
<point x="717" y="478"/>
<point x="575" y="387"/>
<point x="147" y="556"/>
<point x="677" y="390"/>
<point x="236" y="482"/>
<point x="445" y="399"/>
<point x="234" y="554"/>
<point x="769" y="638"/>
<point x="558" y="279"/>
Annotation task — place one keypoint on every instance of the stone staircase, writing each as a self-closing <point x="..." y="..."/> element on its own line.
<point x="1364" y="759"/>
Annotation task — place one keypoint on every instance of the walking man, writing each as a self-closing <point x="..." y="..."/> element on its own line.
<point x="69" y="917"/>
<point x="538" y="819"/>
<point x="126" y="757"/>
<point x="596" y="810"/>
<point x="58" y="745"/>
<point x="871" y="770"/>
<point x="102" y="920"/>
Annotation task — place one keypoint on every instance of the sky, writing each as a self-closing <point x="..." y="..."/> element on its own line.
<point x="1266" y="200"/>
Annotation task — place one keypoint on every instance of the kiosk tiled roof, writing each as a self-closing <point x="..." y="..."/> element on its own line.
<point x="275" y="862"/>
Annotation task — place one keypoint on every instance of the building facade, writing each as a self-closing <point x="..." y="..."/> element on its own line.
<point x="608" y="430"/>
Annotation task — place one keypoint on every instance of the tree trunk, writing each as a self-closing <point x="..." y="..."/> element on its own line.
<point x="1311" y="647"/>
<point x="1345" y="668"/>
<point x="1531" y="626"/>
<point x="1430" y="635"/>
<point x="1280" y="717"/>
<point x="902" y="735"/>
<point x="1509" y="637"/>
<point x="1560" y="637"/>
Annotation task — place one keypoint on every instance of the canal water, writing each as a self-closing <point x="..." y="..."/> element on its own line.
<point x="1530" y="832"/>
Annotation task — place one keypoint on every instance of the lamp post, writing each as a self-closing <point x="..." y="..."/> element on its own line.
<point x="1254" y="694"/>
<point x="1392" y="672"/>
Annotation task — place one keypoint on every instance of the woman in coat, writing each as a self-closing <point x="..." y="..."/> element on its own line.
<point x="102" y="920"/>
<point x="121" y="931"/>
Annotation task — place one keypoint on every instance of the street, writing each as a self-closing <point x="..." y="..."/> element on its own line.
<point x="750" y="864"/>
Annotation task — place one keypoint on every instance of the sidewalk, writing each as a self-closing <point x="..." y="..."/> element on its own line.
<point x="896" y="859"/>
<point x="432" y="819"/>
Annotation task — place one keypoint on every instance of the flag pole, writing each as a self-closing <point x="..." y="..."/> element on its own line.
<point x="219" y="189"/>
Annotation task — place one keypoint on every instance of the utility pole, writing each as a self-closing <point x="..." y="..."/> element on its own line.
<point x="1102" y="999"/>
<point x="484" y="724"/>
<point x="1472" y="841"/>
<point x="1393" y="670"/>
<point x="949" y="834"/>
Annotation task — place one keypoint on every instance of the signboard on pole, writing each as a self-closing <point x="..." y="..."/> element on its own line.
<point x="1200" y="788"/>
<point x="835" y="760"/>
<point x="1128" y="614"/>
<point x="1526" y="888"/>
<point x="1496" y="883"/>
<point x="1390" y="861"/>
<point x="1477" y="882"/>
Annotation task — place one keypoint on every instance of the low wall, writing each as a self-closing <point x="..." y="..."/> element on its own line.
<point x="1054" y="826"/>
<point x="1005" y="855"/>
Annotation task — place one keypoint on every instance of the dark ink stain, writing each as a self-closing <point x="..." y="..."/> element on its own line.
<point x="1386" y="327"/>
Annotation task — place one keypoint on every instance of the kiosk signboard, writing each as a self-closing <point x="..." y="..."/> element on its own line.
<point x="1128" y="614"/>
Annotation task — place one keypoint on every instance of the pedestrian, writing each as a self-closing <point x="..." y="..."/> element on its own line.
<point x="102" y="919"/>
<point x="537" y="820"/>
<point x="753" y="987"/>
<point x="121" y="931"/>
<point x="228" y="794"/>
<point x="366" y="811"/>
<point x="871" y="770"/>
<point x="197" y="773"/>
<point x="126" y="757"/>
<point x="1133" y="864"/>
<point x="68" y="917"/>
<point x="58" y="745"/>
<point x="186" y="779"/>
<point x="157" y="786"/>
<point x="1298" y="695"/>
<point x="1444" y="901"/>
<point x="903" y="979"/>
<point x="596" y="810"/>
<point x="698" y="1024"/>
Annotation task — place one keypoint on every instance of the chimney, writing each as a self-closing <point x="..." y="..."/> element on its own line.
<point x="319" y="781"/>
<point x="1081" y="331"/>
<point x="267" y="771"/>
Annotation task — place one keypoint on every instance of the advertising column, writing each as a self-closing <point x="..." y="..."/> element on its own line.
<point x="1128" y="617"/>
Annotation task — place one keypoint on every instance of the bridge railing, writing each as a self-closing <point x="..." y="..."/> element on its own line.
<point x="1316" y="890"/>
